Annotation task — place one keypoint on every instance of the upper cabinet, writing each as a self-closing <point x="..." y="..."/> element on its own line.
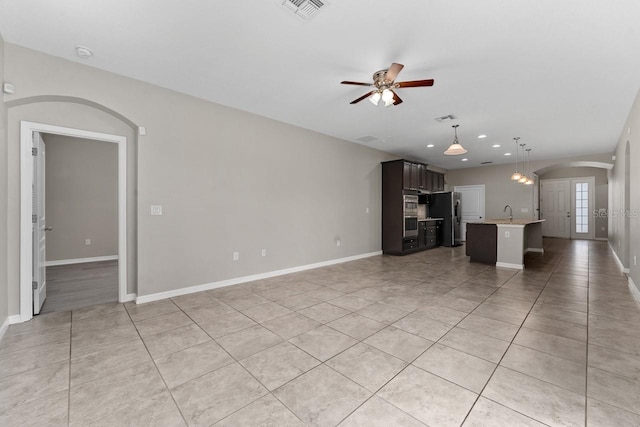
<point x="415" y="176"/>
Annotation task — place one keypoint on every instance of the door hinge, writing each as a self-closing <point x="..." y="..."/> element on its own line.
<point x="34" y="218"/>
<point x="34" y="285"/>
<point x="34" y="151"/>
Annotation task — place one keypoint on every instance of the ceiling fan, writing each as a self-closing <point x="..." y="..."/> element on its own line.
<point x="384" y="83"/>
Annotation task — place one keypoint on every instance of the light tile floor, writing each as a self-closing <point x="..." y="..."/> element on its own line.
<point x="427" y="339"/>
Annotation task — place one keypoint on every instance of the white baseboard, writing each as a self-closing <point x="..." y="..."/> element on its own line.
<point x="510" y="265"/>
<point x="235" y="281"/>
<point x="537" y="250"/>
<point x="15" y="319"/>
<point x="601" y="239"/>
<point x="3" y="328"/>
<point x="620" y="264"/>
<point x="81" y="260"/>
<point x="635" y="290"/>
<point x="129" y="297"/>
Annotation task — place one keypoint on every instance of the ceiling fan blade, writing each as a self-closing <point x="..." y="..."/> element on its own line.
<point x="355" y="101"/>
<point x="346" y="82"/>
<point x="393" y="71"/>
<point x="415" y="83"/>
<point x="396" y="99"/>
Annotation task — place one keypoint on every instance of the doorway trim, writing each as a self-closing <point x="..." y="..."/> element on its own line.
<point x="26" y="180"/>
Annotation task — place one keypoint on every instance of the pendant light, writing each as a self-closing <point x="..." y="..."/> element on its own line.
<point x="516" y="175"/>
<point x="455" y="148"/>
<point x="529" y="180"/>
<point x="523" y="178"/>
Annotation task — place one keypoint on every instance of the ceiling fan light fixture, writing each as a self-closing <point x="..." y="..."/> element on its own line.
<point x="455" y="149"/>
<point x="387" y="97"/>
<point x="375" y="98"/>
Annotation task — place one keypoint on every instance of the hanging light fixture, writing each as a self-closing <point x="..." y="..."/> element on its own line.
<point x="523" y="178"/>
<point x="455" y="148"/>
<point x="516" y="175"/>
<point x="529" y="180"/>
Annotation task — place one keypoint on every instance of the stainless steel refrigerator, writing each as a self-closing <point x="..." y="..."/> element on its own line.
<point x="447" y="206"/>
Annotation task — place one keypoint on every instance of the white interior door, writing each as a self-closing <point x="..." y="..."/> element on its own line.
<point x="582" y="207"/>
<point x="472" y="205"/>
<point x="555" y="206"/>
<point x="39" y="224"/>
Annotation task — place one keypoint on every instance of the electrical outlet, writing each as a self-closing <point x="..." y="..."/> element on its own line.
<point x="507" y="234"/>
<point x="338" y="242"/>
<point x="366" y="210"/>
<point x="236" y="256"/>
<point x="524" y="210"/>
<point x="264" y="252"/>
<point x="156" y="210"/>
<point x="87" y="242"/>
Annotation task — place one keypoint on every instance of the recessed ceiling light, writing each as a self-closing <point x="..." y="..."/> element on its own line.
<point x="507" y="154"/>
<point x="83" y="52"/>
<point x="496" y="145"/>
<point x="465" y="159"/>
<point x="430" y="146"/>
<point x="482" y="136"/>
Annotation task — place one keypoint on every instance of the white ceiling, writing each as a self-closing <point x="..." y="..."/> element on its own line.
<point x="560" y="74"/>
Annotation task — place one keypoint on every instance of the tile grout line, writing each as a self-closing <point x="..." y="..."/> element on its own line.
<point x="69" y="386"/>
<point x="156" y="366"/>
<point x="586" y="362"/>
<point x="505" y="352"/>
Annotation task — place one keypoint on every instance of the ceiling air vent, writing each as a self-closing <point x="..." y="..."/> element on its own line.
<point x="304" y="9"/>
<point x="445" y="118"/>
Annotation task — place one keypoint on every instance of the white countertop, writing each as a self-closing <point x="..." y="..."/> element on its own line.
<point x="430" y="219"/>
<point x="510" y="223"/>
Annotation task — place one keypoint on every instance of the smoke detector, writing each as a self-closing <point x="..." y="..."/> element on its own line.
<point x="83" y="52"/>
<point x="304" y="9"/>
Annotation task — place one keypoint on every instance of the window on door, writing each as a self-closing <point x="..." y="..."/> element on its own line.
<point x="582" y="207"/>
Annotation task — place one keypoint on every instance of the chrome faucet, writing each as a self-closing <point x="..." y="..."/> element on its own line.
<point x="510" y="212"/>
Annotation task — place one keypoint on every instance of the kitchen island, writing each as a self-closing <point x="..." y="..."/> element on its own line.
<point x="503" y="242"/>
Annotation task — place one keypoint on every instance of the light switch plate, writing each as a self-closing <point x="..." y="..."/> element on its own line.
<point x="156" y="210"/>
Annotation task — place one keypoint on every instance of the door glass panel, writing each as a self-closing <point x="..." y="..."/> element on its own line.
<point x="582" y="207"/>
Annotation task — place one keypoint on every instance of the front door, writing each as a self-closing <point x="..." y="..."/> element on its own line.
<point x="39" y="224"/>
<point x="555" y="207"/>
<point x="472" y="206"/>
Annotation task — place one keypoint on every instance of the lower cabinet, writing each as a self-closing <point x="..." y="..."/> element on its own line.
<point x="409" y="243"/>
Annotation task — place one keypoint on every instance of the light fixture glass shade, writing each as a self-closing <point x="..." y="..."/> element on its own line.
<point x="529" y="181"/>
<point x="375" y="98"/>
<point x="387" y="97"/>
<point x="523" y="179"/>
<point x="455" y="149"/>
<point x="516" y="176"/>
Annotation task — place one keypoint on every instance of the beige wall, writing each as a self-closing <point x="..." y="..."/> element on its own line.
<point x="624" y="220"/>
<point x="601" y="196"/>
<point x="3" y="197"/>
<point x="227" y="180"/>
<point x="501" y="191"/>
<point x="81" y="197"/>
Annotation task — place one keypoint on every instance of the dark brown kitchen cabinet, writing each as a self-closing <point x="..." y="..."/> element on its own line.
<point x="411" y="175"/>
<point x="438" y="182"/>
<point x="400" y="177"/>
